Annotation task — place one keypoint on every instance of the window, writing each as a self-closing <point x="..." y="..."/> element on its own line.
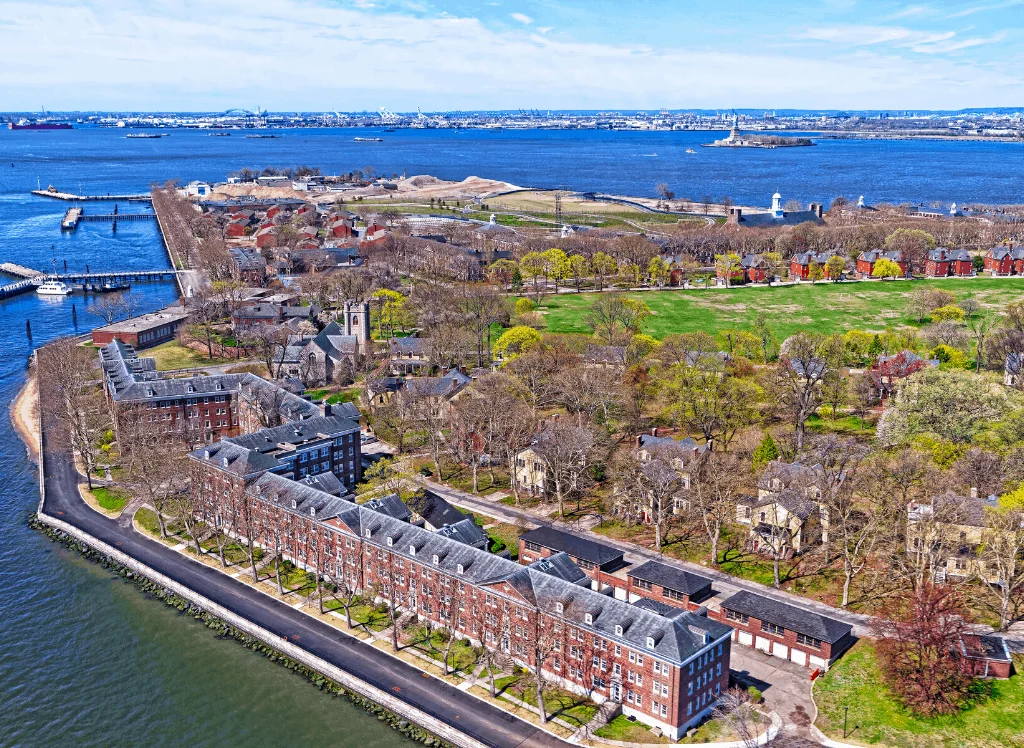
<point x="733" y="615"/>
<point x="810" y="641"/>
<point x="641" y="584"/>
<point x="531" y="546"/>
<point x="671" y="594"/>
<point x="772" y="628"/>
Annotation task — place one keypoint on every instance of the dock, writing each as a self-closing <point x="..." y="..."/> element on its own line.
<point x="31" y="279"/>
<point x="71" y="219"/>
<point x="56" y="195"/>
<point x="118" y="217"/>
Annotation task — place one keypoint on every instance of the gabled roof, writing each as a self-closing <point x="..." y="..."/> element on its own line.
<point x="235" y="459"/>
<point x="296" y="433"/>
<point x="984" y="647"/>
<point x="334" y="343"/>
<point x="788" y="616"/>
<point x="435" y="509"/>
<point x="605" y="354"/>
<point x="298" y="497"/>
<point x="671" y="577"/>
<point x="677" y="447"/>
<point x="392" y="506"/>
<point x="561" y="566"/>
<point x="446" y="385"/>
<point x="419" y="346"/>
<point x="574" y="545"/>
<point x="327" y="482"/>
<point x="465" y="531"/>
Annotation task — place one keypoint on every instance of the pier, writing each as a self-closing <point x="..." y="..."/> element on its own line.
<point x="71" y="219"/>
<point x="31" y="279"/>
<point x="76" y="215"/>
<point x="56" y="195"/>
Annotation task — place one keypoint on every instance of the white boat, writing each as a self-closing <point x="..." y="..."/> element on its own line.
<point x="690" y="150"/>
<point x="54" y="288"/>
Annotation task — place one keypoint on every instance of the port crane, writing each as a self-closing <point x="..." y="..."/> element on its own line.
<point x="387" y="117"/>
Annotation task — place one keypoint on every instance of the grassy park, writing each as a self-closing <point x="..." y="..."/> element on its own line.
<point x="822" y="307"/>
<point x="996" y="718"/>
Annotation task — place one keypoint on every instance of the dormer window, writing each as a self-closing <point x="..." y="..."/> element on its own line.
<point x="390" y="542"/>
<point x="459" y="569"/>
<point x="650" y="642"/>
<point x="618" y="630"/>
<point x="588" y="618"/>
<point x="295" y="504"/>
<point x="191" y="388"/>
<point x="412" y="550"/>
<point x="436" y="559"/>
<point x="312" y="511"/>
<point x="366" y="532"/>
<point x="559" y="608"/>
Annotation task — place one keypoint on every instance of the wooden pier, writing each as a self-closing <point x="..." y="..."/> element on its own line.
<point x="56" y="195"/>
<point x="31" y="279"/>
<point x="118" y="217"/>
<point x="71" y="219"/>
<point x="19" y="271"/>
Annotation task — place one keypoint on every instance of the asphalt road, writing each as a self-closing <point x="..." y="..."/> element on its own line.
<point x="475" y="718"/>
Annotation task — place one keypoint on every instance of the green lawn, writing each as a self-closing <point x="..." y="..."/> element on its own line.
<point x="173" y="355"/>
<point x="111" y="499"/>
<point x="626" y="730"/>
<point x="876" y="718"/>
<point x="570" y="707"/>
<point x="825" y="307"/>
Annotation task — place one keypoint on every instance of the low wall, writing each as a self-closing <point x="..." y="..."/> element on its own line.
<point x="386" y="700"/>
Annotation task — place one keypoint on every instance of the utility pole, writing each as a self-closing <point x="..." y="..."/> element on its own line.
<point x="846" y="713"/>
<point x="558" y="207"/>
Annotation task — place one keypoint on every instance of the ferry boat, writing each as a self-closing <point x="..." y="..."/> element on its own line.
<point x="368" y="140"/>
<point x="26" y="125"/>
<point x="146" y="135"/>
<point x="53" y="287"/>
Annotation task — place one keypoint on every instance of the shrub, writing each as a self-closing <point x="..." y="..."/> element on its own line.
<point x="755" y="695"/>
<point x="948" y="313"/>
<point x="524" y="305"/>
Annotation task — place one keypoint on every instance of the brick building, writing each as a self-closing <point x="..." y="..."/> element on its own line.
<point x="988" y="655"/>
<point x="667" y="669"/>
<point x="785" y="631"/>
<point x="942" y="262"/>
<point x="143" y="331"/>
<point x="196" y="409"/>
<point x="1005" y="260"/>
<point x="667" y="584"/>
<point x="598" y="561"/>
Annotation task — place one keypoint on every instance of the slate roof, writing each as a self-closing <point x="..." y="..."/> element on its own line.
<point x="390" y="505"/>
<point x="788" y="616"/>
<point x="965" y="510"/>
<point x="789" y="218"/>
<point x="805" y="258"/>
<point x="327" y="482"/>
<point x="658" y="607"/>
<point x="247" y="259"/>
<point x="465" y="531"/>
<point x="605" y="354"/>
<point x="410" y="346"/>
<point x="298" y="497"/>
<point x="435" y="509"/>
<point x="675" y="640"/>
<point x="875" y="255"/>
<point x="940" y="254"/>
<point x="348" y="410"/>
<point x="334" y="343"/>
<point x="685" y="447"/>
<point x="296" y="433"/>
<point x="561" y="566"/>
<point x="234" y="459"/>
<point x="672" y="577"/>
<point x="445" y="385"/>
<point x="575" y="546"/>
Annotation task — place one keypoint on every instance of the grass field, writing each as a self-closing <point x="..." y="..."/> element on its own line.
<point x="173" y="355"/>
<point x="875" y="718"/>
<point x="823" y="307"/>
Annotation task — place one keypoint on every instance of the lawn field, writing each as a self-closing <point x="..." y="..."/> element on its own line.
<point x="875" y="718"/>
<point x="822" y="307"/>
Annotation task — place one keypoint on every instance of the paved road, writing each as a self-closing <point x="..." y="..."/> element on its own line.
<point x="724" y="583"/>
<point x="475" y="718"/>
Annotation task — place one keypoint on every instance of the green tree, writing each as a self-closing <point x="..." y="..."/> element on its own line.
<point x="949" y="313"/>
<point x="516" y="283"/>
<point x="515" y="341"/>
<point x="533" y="264"/>
<point x="556" y="265"/>
<point x="875" y="349"/>
<point x="657" y="271"/>
<point x="766" y="452"/>
<point x="886" y="268"/>
<point x="769" y="343"/>
<point x="835" y="266"/>
<point x="579" y="268"/>
<point x="914" y="244"/>
<point x="502" y="272"/>
<point x="603" y="266"/>
<point x="727" y="266"/>
<point x="814" y="272"/>
<point x="525" y="306"/>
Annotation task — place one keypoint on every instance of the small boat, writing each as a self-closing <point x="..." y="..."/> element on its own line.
<point x="368" y="140"/>
<point x="263" y="137"/>
<point x="53" y="287"/>
<point x="144" y="135"/>
<point x="106" y="287"/>
<point x="690" y="150"/>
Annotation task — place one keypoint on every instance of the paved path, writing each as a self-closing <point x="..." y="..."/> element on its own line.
<point x="785" y="685"/>
<point x="479" y="720"/>
<point x="724" y="584"/>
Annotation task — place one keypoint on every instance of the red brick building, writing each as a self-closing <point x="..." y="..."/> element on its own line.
<point x="667" y="584"/>
<point x="598" y="561"/>
<point x="1005" y="260"/>
<point x="143" y="331"/>
<point x="942" y="262"/>
<point x="785" y="631"/>
<point x="866" y="262"/>
<point x="667" y="670"/>
<point x="800" y="264"/>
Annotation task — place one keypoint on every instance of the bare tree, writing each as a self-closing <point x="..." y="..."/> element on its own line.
<point x="798" y="379"/>
<point x="565" y="449"/>
<point x="1003" y="551"/>
<point x="106" y="307"/>
<point x="715" y="482"/>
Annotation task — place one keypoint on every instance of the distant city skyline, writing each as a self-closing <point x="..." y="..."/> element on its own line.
<point x="313" y="55"/>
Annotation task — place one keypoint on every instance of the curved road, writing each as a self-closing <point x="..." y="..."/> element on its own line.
<point x="475" y="718"/>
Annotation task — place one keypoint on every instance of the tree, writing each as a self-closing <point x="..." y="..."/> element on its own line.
<point x="515" y="341"/>
<point x="952" y="404"/>
<point x="767" y="451"/>
<point x="532" y="263"/>
<point x="1003" y="551"/>
<point x="914" y="244"/>
<point x="663" y="190"/>
<point x="657" y="271"/>
<point x="603" y="266"/>
<point x="706" y="399"/>
<point x="949" y="313"/>
<point x="814" y="272"/>
<point x="556" y="265"/>
<point x="716" y="480"/>
<point x="565" y="449"/>
<point x="727" y="265"/>
<point x="616" y="318"/>
<point x="798" y="379"/>
<point x="769" y="343"/>
<point x="656" y="483"/>
<point x="835" y="266"/>
<point x="920" y="639"/>
<point x="579" y="268"/>
<point x="106" y="307"/>
<point x="502" y="272"/>
<point x="886" y="268"/>
<point x="981" y="326"/>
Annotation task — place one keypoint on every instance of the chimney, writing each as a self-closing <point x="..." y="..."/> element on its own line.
<point x="818" y="209"/>
<point x="654" y="431"/>
<point x="974" y="492"/>
<point x="327" y="408"/>
<point x="735" y="214"/>
<point x="639" y="437"/>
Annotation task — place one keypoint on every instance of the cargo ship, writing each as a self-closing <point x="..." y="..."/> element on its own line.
<point x="23" y="125"/>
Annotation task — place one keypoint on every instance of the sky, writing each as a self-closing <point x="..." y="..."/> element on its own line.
<point x="440" y="55"/>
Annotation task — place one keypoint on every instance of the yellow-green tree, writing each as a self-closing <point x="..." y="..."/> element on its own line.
<point x="514" y="341"/>
<point x="886" y="268"/>
<point x="579" y="268"/>
<point x="532" y="263"/>
<point x="728" y="266"/>
<point x="657" y="271"/>
<point x="556" y="265"/>
<point x="392" y="312"/>
<point x="603" y="266"/>
<point x="835" y="266"/>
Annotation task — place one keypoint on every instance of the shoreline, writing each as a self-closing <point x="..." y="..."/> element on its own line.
<point x="24" y="410"/>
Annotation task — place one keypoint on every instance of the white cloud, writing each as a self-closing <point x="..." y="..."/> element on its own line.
<point x="315" y="54"/>
<point x="522" y="18"/>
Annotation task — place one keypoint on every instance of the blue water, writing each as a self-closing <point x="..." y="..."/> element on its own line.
<point x="86" y="660"/>
<point x="629" y="163"/>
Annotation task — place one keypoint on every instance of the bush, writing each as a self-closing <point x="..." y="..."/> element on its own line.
<point x="525" y="306"/>
<point x="755" y="695"/>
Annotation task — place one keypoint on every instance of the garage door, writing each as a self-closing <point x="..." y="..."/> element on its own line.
<point x="746" y="638"/>
<point x="818" y="662"/>
<point x="780" y="650"/>
<point x="763" y="644"/>
<point x="800" y="658"/>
